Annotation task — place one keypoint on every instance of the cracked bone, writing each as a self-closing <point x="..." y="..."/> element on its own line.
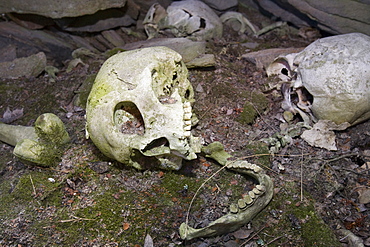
<point x="40" y="144"/>
<point x="139" y="109"/>
<point x="238" y="22"/>
<point x="244" y="210"/>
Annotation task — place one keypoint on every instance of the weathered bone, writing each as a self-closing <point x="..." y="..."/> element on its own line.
<point x="139" y="109"/>
<point x="40" y="144"/>
<point x="246" y="208"/>
<point x="334" y="70"/>
<point x="192" y="19"/>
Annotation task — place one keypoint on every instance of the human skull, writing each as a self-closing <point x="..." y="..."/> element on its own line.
<point x="193" y="19"/>
<point x="139" y="109"/>
<point x="336" y="72"/>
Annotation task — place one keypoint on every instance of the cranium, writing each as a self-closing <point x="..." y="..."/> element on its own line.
<point x="335" y="71"/>
<point x="139" y="109"/>
<point x="193" y="19"/>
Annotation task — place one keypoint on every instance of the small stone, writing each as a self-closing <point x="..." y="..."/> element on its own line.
<point x="242" y="234"/>
<point x="288" y="116"/>
<point x="100" y="167"/>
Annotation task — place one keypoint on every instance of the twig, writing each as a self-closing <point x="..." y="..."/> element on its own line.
<point x="33" y="186"/>
<point x="249" y="239"/>
<point x="302" y="179"/>
<point x="277" y="238"/>
<point x="205" y="112"/>
<point x="262" y="118"/>
<point x="74" y="220"/>
<point x="196" y="193"/>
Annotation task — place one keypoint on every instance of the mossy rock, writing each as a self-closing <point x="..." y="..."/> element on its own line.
<point x="255" y="105"/>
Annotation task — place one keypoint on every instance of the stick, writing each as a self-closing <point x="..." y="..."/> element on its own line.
<point x="33" y="186"/>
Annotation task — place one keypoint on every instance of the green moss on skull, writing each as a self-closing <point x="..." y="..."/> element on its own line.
<point x="97" y="94"/>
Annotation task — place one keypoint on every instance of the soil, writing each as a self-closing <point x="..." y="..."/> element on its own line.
<point x="87" y="199"/>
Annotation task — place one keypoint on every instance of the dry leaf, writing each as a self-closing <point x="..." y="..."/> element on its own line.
<point x="126" y="226"/>
<point x="148" y="241"/>
<point x="10" y="116"/>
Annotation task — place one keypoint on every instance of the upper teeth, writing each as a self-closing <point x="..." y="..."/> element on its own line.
<point x="187" y="118"/>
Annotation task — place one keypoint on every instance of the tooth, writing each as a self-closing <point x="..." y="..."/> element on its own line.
<point x="187" y="104"/>
<point x="187" y="127"/>
<point x="256" y="191"/>
<point x="187" y="116"/>
<point x="261" y="187"/>
<point x="187" y="133"/>
<point x="251" y="194"/>
<point x="247" y="199"/>
<point x="187" y="122"/>
<point x="233" y="208"/>
<point x="241" y="204"/>
<point x="256" y="168"/>
<point x="187" y="110"/>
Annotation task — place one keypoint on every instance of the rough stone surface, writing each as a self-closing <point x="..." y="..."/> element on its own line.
<point x="191" y="51"/>
<point x="335" y="70"/>
<point x="345" y="16"/>
<point x="26" y="66"/>
<point x="59" y="9"/>
<point x="221" y="5"/>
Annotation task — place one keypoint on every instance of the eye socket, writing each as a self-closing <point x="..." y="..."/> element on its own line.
<point x="285" y="71"/>
<point x="128" y="118"/>
<point x="202" y="23"/>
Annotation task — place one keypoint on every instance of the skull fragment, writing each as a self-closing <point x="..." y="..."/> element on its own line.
<point x="139" y="109"/>
<point x="335" y="71"/>
<point x="191" y="18"/>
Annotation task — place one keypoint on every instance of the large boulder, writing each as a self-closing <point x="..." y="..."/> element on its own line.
<point x="343" y="16"/>
<point x="59" y="9"/>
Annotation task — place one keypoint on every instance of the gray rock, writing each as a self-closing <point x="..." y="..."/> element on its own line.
<point x="30" y="66"/>
<point x="59" y="9"/>
<point x="345" y="16"/>
<point x="221" y="5"/>
<point x="192" y="52"/>
<point x="263" y="58"/>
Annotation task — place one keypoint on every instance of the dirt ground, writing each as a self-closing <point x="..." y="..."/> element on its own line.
<point x="88" y="200"/>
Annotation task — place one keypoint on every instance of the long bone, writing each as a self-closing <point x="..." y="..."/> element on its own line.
<point x="246" y="208"/>
<point x="40" y="144"/>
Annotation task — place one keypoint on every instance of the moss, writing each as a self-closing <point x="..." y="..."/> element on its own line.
<point x="99" y="93"/>
<point x="303" y="226"/>
<point x="84" y="91"/>
<point x="261" y="150"/>
<point x="34" y="185"/>
<point x="248" y="115"/>
<point x="113" y="51"/>
<point x="255" y="105"/>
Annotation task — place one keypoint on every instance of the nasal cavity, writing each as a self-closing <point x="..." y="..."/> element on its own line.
<point x="157" y="143"/>
<point x="128" y="119"/>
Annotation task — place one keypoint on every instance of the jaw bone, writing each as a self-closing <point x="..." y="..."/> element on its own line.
<point x="246" y="208"/>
